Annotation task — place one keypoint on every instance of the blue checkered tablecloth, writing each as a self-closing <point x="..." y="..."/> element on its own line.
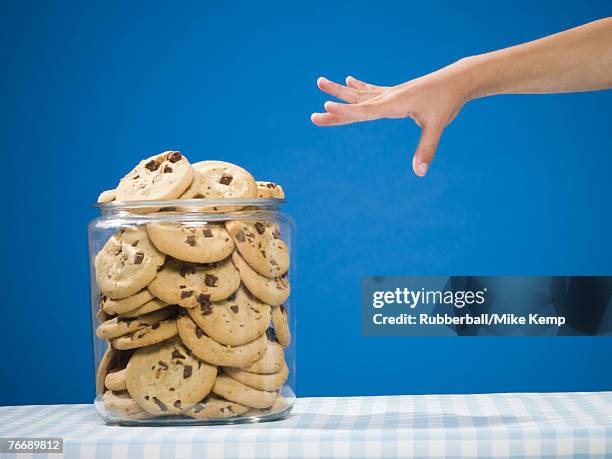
<point x="422" y="426"/>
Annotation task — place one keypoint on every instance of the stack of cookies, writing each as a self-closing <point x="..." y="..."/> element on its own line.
<point x="192" y="308"/>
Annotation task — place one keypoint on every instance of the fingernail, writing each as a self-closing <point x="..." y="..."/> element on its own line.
<point x="323" y="79"/>
<point x="328" y="104"/>
<point x="422" y="169"/>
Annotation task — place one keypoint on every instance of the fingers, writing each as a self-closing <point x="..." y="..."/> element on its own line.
<point x="341" y="92"/>
<point x="327" y="119"/>
<point x="354" y="83"/>
<point x="339" y="114"/>
<point x="430" y="136"/>
<point x="345" y="93"/>
<point x="352" y="113"/>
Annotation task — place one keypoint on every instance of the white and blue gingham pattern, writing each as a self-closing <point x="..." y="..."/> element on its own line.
<point x="421" y="426"/>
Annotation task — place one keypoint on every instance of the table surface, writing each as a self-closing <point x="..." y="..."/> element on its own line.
<point x="461" y="426"/>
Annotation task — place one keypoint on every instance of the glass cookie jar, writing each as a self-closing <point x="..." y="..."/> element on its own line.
<point x="193" y="321"/>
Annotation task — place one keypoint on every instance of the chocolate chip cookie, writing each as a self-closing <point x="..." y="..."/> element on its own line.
<point x="115" y="380"/>
<point x="269" y="190"/>
<point x="235" y="391"/>
<point x="150" y="306"/>
<point x="272" y="291"/>
<point x="163" y="176"/>
<point x="213" y="407"/>
<point x="151" y="334"/>
<point x="121" y="405"/>
<point x="260" y="245"/>
<point x="127" y="263"/>
<point x="238" y="320"/>
<point x="166" y="379"/>
<point x="270" y="382"/>
<point x="120" y="326"/>
<point x="210" y="351"/>
<point x="280" y="322"/>
<point x="272" y="360"/>
<point x="107" y="196"/>
<point x="127" y="304"/>
<point x="195" y="243"/>
<point x="222" y="180"/>
<point x="190" y="284"/>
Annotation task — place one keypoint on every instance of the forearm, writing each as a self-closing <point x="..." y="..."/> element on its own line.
<point x="578" y="59"/>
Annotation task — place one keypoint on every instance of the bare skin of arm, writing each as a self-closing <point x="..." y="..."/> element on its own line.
<point x="578" y="59"/>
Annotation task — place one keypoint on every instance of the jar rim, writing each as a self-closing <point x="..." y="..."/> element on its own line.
<point x="189" y="203"/>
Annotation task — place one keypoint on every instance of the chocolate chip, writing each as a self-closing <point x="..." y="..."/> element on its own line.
<point x="152" y="165"/>
<point x="187" y="269"/>
<point x="199" y="196"/>
<point x="147" y="397"/>
<point x="205" y="308"/>
<point x="234" y="308"/>
<point x="176" y="354"/>
<point x="271" y="334"/>
<point x="276" y="233"/>
<point x="222" y="410"/>
<point x="186" y="294"/>
<point x="211" y="280"/>
<point x="162" y="406"/>
<point x="138" y="258"/>
<point x="167" y="170"/>
<point x="198" y="407"/>
<point x="256" y="311"/>
<point x="164" y="365"/>
<point x="155" y="326"/>
<point x="187" y="370"/>
<point x="191" y="240"/>
<point x="273" y="263"/>
<point x="177" y="404"/>
<point x="207" y="232"/>
<point x="240" y="236"/>
<point x="260" y="228"/>
<point x="282" y="309"/>
<point x="172" y="389"/>
<point x="136" y="177"/>
<point x="271" y="185"/>
<point x="174" y="157"/>
<point x="203" y="298"/>
<point x="199" y="333"/>
<point x="226" y="179"/>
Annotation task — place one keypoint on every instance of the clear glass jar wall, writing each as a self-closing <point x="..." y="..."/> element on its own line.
<point x="191" y="311"/>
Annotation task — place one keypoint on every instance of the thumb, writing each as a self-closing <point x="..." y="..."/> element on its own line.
<point x="430" y="136"/>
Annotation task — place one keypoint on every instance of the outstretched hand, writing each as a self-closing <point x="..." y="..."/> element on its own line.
<point x="432" y="101"/>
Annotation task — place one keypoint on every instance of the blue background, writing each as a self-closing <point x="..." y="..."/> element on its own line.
<point x="521" y="184"/>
